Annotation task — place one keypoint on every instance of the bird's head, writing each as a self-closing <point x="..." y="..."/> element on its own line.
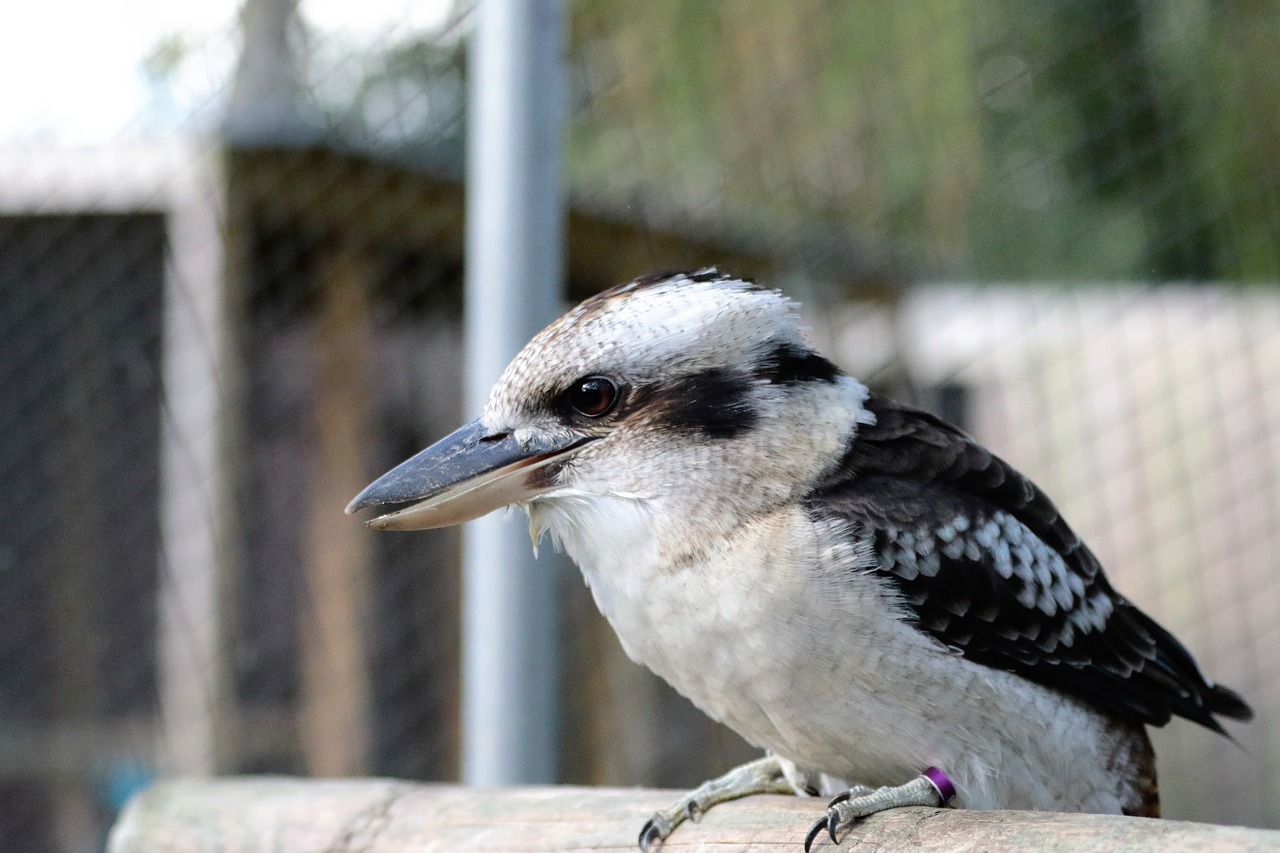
<point x="690" y="396"/>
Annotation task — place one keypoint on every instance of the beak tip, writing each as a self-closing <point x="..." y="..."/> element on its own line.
<point x="360" y="501"/>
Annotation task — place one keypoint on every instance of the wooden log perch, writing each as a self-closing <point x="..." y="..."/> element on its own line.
<point x="378" y="816"/>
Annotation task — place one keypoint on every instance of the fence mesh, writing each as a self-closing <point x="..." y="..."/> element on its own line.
<point x="1057" y="224"/>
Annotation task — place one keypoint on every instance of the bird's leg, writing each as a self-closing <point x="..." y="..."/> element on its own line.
<point x="762" y="776"/>
<point x="931" y="788"/>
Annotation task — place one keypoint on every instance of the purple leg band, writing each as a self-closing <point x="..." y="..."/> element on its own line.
<point x="941" y="783"/>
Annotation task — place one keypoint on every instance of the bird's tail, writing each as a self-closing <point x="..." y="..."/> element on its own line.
<point x="1225" y="702"/>
<point x="1198" y="698"/>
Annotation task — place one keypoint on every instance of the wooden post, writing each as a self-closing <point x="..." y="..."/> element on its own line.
<point x="335" y="708"/>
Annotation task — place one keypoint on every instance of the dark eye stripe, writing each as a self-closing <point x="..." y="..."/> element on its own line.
<point x="715" y="403"/>
<point x="788" y="364"/>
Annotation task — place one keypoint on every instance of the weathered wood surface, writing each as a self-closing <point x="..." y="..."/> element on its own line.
<point x="377" y="816"/>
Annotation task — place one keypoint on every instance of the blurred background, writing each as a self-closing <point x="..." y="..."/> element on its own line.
<point x="231" y="265"/>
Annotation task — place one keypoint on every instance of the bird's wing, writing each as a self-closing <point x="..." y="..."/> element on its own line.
<point x="988" y="567"/>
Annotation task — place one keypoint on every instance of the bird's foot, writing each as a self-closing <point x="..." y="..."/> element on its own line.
<point x="763" y="776"/>
<point x="931" y="788"/>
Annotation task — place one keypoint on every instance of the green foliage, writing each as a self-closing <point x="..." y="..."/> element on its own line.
<point x="995" y="139"/>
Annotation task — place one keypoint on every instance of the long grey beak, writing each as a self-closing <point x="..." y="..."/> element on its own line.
<point x="464" y="475"/>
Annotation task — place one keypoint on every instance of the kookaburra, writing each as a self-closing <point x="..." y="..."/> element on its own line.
<point x="890" y="610"/>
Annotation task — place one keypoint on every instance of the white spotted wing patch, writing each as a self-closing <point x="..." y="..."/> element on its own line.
<point x="987" y="566"/>
<point x="1039" y="578"/>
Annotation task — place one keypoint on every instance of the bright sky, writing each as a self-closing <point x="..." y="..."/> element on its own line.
<point x="73" y="68"/>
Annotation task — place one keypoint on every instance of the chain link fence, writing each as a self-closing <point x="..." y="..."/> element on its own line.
<point x="1058" y="224"/>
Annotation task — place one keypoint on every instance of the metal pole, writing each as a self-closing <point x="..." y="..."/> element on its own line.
<point x="195" y="511"/>
<point x="514" y="272"/>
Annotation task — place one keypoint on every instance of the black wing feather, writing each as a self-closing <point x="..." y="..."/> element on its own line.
<point x="1032" y="599"/>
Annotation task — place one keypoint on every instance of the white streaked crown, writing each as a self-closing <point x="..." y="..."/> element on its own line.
<point x="647" y="329"/>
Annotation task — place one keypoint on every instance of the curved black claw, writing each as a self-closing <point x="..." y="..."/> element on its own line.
<point x="649" y="833"/>
<point x="813" y="832"/>
<point x="833" y="820"/>
<point x="692" y="811"/>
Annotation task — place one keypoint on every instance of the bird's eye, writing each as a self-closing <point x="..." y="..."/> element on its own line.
<point x="593" y="396"/>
